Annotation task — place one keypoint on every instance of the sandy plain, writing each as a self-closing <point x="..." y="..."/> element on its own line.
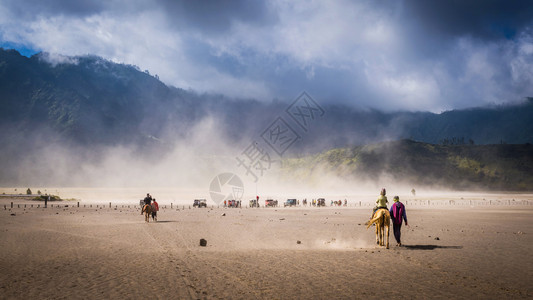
<point x="450" y="251"/>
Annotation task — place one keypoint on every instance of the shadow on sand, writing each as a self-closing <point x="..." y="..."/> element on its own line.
<point x="163" y="221"/>
<point x="430" y="247"/>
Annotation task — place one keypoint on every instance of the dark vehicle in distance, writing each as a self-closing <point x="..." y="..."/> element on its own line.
<point x="271" y="203"/>
<point x="290" y="202"/>
<point x="200" y="203"/>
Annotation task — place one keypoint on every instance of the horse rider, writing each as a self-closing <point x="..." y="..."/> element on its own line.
<point x="147" y="201"/>
<point x="381" y="202"/>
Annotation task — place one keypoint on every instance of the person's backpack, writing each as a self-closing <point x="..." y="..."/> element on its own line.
<point x="398" y="212"/>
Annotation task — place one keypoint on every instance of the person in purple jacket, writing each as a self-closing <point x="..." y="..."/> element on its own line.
<point x="397" y="214"/>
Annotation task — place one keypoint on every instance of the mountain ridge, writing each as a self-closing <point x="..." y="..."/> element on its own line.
<point x="85" y="96"/>
<point x="88" y="104"/>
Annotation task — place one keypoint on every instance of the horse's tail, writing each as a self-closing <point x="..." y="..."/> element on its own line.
<point x="375" y="219"/>
<point x="381" y="214"/>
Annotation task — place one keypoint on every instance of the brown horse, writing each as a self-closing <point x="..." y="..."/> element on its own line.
<point x="382" y="220"/>
<point x="147" y="210"/>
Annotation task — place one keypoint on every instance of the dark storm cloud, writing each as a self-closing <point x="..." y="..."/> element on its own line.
<point x="488" y="19"/>
<point x="33" y="8"/>
<point x="212" y="16"/>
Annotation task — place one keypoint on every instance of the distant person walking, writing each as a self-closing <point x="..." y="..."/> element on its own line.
<point x="155" y="209"/>
<point x="398" y="215"/>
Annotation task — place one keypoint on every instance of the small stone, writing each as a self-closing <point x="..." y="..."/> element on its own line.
<point x="437" y="239"/>
<point x="203" y="242"/>
<point x="224" y="214"/>
<point x="298" y="242"/>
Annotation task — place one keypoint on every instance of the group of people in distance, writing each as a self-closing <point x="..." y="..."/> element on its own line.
<point x="154" y="205"/>
<point x="397" y="213"/>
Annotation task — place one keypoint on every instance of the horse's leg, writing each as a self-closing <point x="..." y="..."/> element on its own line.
<point x="381" y="234"/>
<point x="380" y="222"/>
<point x="388" y="230"/>
<point x="377" y="233"/>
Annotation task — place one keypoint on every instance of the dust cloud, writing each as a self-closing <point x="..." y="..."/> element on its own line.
<point x="179" y="166"/>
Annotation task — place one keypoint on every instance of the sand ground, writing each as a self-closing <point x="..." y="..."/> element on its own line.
<point x="90" y="253"/>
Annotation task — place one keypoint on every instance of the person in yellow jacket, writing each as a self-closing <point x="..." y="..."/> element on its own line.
<point x="381" y="202"/>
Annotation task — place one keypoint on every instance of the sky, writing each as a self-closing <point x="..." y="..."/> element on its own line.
<point x="380" y="54"/>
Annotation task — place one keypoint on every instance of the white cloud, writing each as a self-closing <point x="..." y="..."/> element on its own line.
<point x="56" y="59"/>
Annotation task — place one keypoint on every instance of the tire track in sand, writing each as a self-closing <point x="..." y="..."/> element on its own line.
<point x="167" y="251"/>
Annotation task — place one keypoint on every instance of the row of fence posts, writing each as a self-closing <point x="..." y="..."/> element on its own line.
<point x="417" y="202"/>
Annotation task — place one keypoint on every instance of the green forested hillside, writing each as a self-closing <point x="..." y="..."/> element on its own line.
<point x="493" y="167"/>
